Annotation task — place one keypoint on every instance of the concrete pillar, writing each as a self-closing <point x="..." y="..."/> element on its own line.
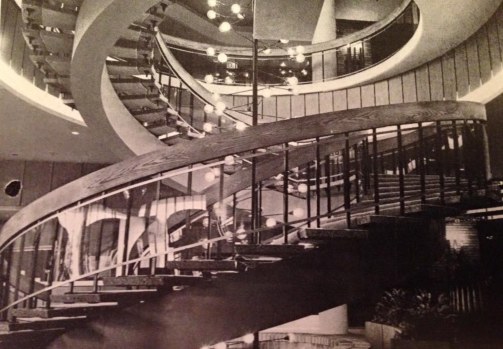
<point x="334" y="321"/>
<point x="324" y="65"/>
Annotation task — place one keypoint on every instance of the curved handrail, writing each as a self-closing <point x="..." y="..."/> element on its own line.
<point x="200" y="150"/>
<point x="246" y="52"/>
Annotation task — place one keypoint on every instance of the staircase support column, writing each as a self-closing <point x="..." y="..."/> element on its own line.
<point x="401" y="182"/>
<point x="347" y="184"/>
<point x="375" y="170"/>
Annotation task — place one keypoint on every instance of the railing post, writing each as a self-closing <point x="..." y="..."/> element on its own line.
<point x="457" y="160"/>
<point x="347" y="183"/>
<point x="6" y="280"/>
<point x="421" y="164"/>
<point x="401" y="181"/>
<point x="318" y="179"/>
<point x="375" y="169"/>
<point x="484" y="149"/>
<point x="286" y="169"/>
<point x="36" y="244"/>
<point x="308" y="193"/>
<point x="357" y="173"/>
<point x="328" y="190"/>
<point x="440" y="161"/>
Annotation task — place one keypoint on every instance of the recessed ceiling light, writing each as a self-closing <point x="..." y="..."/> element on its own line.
<point x="75" y="133"/>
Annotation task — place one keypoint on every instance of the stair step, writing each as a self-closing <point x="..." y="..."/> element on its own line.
<point x="43" y="324"/>
<point x="199" y="265"/>
<point x="105" y="296"/>
<point x="47" y="313"/>
<point x="270" y="250"/>
<point x="324" y="234"/>
<point x="153" y="280"/>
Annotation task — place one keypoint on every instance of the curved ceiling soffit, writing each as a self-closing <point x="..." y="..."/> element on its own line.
<point x="437" y="33"/>
<point x="221" y="145"/>
<point x="98" y="28"/>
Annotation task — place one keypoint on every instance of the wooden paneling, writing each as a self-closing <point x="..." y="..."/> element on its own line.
<point x="298" y="106"/>
<point x="423" y="83"/>
<point x="395" y="90"/>
<point x="37" y="181"/>
<point x="368" y="95"/>
<point x="10" y="170"/>
<point x="340" y="100"/>
<point x="484" y="54"/>
<point x="312" y="104"/>
<point x="65" y="172"/>
<point x="473" y="63"/>
<point x="435" y="78"/>
<point x="494" y="46"/>
<point x="326" y="102"/>
<point x="354" y="98"/>
<point x="449" y="76"/>
<point x="284" y="107"/>
<point x="409" y="87"/>
<point x="269" y="106"/>
<point x="462" y="82"/>
<point x="382" y="93"/>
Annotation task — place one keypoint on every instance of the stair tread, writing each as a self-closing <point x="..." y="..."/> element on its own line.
<point x="153" y="280"/>
<point x="103" y="296"/>
<point x="60" y="311"/>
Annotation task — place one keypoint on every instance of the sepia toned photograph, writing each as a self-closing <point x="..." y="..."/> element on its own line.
<point x="251" y="174"/>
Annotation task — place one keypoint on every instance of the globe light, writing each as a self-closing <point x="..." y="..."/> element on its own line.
<point x="303" y="72"/>
<point x="207" y="127"/>
<point x="228" y="80"/>
<point x="210" y="51"/>
<point x="216" y="171"/>
<point x="248" y="338"/>
<point x="208" y="78"/>
<point x="209" y="176"/>
<point x="208" y="109"/>
<point x="235" y="8"/>
<point x="240" y="16"/>
<point x="289" y="188"/>
<point x="222" y="57"/>
<point x="229" y="160"/>
<point x="302" y="188"/>
<point x="290" y="51"/>
<point x="270" y="222"/>
<point x="219" y="113"/>
<point x="300" y="49"/>
<point x="240" y="126"/>
<point x="224" y="27"/>
<point x="298" y="212"/>
<point x="292" y="80"/>
<point x="267" y="51"/>
<point x="266" y="93"/>
<point x="212" y="3"/>
<point x="282" y="64"/>
<point x="220" y="106"/>
<point x="284" y="41"/>
<point x="211" y="14"/>
<point x="215" y="96"/>
<point x="300" y="58"/>
<point x="283" y="72"/>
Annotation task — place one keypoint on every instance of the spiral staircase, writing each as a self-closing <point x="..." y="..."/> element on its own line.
<point x="120" y="251"/>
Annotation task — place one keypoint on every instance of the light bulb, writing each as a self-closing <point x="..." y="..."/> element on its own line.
<point x="211" y="14"/>
<point x="216" y="171"/>
<point x="298" y="212"/>
<point x="224" y="27"/>
<point x="240" y="16"/>
<point x="266" y="93"/>
<point x="270" y="222"/>
<point x="209" y="176"/>
<point x="207" y="127"/>
<point x="212" y="3"/>
<point x="267" y="51"/>
<point x="221" y="345"/>
<point x="208" y="108"/>
<point x="302" y="188"/>
<point x="284" y="41"/>
<point x="303" y="72"/>
<point x="290" y="51"/>
<point x="208" y="78"/>
<point x="228" y="80"/>
<point x="222" y="57"/>
<point x="300" y="58"/>
<point x="229" y="160"/>
<point x="289" y="188"/>
<point x="215" y="96"/>
<point x="292" y="80"/>
<point x="210" y="51"/>
<point x="235" y="8"/>
<point x="220" y="106"/>
<point x="219" y="113"/>
<point x="240" y="126"/>
<point x="300" y="49"/>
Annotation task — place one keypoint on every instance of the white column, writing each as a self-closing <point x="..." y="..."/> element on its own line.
<point x="325" y="64"/>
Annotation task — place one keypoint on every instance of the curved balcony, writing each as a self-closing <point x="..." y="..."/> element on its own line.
<point x="124" y="226"/>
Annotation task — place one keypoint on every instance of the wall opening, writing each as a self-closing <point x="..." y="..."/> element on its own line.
<point x="13" y="188"/>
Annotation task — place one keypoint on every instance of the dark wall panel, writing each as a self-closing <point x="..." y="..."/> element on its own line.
<point x="462" y="81"/>
<point x="493" y="39"/>
<point x="37" y="180"/>
<point x="395" y="90"/>
<point x="435" y="78"/>
<point x="494" y="127"/>
<point x="423" y="83"/>
<point x="65" y="172"/>
<point x="409" y="87"/>
<point x="484" y="55"/>
<point x="449" y="76"/>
